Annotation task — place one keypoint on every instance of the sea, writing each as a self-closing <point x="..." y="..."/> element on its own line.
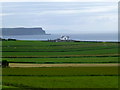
<point x="78" y="37"/>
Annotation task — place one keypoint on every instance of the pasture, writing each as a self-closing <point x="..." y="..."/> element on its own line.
<point x="60" y="53"/>
<point x="61" y="77"/>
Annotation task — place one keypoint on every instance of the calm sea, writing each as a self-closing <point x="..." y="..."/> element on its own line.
<point x="80" y="37"/>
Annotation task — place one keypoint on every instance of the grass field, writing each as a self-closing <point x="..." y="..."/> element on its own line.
<point x="60" y="52"/>
<point x="65" y="60"/>
<point x="39" y="52"/>
<point x="62" y="71"/>
<point x="60" y="77"/>
<point x="63" y="82"/>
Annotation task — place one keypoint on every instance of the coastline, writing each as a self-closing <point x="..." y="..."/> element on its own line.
<point x="77" y="37"/>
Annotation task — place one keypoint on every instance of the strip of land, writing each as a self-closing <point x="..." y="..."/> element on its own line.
<point x="59" y="65"/>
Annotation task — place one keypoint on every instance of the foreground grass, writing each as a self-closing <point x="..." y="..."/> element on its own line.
<point x="3" y="86"/>
<point x="61" y="71"/>
<point x="61" y="77"/>
<point x="63" y="82"/>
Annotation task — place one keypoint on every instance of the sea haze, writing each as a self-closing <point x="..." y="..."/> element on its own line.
<point x="80" y="37"/>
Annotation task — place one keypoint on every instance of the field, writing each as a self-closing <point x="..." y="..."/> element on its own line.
<point x="61" y="77"/>
<point x="64" y="60"/>
<point x="89" y="55"/>
<point x="60" y="52"/>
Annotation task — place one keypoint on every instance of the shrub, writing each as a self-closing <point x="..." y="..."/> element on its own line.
<point x="5" y="63"/>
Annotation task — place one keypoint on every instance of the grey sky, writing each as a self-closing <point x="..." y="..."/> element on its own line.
<point x="62" y="17"/>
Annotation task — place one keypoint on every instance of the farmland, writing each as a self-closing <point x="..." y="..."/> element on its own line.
<point x="65" y="60"/>
<point x="60" y="77"/>
<point x="42" y="52"/>
<point x="60" y="52"/>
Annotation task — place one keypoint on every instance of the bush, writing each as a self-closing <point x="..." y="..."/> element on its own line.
<point x="5" y="63"/>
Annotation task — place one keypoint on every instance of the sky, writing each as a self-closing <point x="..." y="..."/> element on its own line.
<point x="63" y="17"/>
<point x="59" y="0"/>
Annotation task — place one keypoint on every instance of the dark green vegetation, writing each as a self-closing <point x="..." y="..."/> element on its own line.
<point x="5" y="63"/>
<point x="62" y="82"/>
<point x="65" y="60"/>
<point x="60" y="52"/>
<point x="61" y="71"/>
<point x="61" y="77"/>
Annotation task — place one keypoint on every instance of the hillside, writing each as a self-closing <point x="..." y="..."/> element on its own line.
<point x="23" y="31"/>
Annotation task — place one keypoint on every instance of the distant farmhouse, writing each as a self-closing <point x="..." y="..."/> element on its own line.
<point x="62" y="39"/>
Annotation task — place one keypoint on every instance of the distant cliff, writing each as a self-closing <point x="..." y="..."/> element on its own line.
<point x="23" y="31"/>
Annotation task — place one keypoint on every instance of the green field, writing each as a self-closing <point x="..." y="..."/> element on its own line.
<point x="65" y="60"/>
<point x="42" y="52"/>
<point x="61" y="77"/>
<point x="62" y="71"/>
<point x="63" y="82"/>
<point x="60" y="52"/>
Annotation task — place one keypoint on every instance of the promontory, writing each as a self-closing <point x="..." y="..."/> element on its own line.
<point x="23" y="31"/>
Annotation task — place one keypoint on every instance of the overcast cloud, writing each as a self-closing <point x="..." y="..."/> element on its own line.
<point x="62" y="17"/>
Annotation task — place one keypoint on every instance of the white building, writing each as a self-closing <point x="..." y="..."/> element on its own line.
<point x="64" y="38"/>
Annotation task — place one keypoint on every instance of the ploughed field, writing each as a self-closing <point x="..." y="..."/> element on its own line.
<point x="60" y="53"/>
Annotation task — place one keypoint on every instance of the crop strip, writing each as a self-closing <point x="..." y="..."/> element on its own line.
<point x="59" y="75"/>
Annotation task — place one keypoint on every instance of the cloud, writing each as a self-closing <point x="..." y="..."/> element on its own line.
<point x="6" y="14"/>
<point x="63" y="17"/>
<point x="59" y="0"/>
<point x="56" y="8"/>
<point x="79" y="11"/>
